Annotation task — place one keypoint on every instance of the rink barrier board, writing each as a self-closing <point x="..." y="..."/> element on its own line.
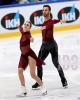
<point x="6" y="32"/>
<point x="37" y="31"/>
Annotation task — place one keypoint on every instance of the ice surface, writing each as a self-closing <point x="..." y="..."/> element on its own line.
<point x="69" y="58"/>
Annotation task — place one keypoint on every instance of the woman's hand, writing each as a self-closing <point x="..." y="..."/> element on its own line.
<point x="62" y="21"/>
<point x="18" y="25"/>
<point x="32" y="39"/>
<point x="44" y="27"/>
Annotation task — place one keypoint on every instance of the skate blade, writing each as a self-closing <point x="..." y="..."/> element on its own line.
<point x="45" y="93"/>
<point x="65" y="87"/>
<point x="38" y="88"/>
<point x="21" y="95"/>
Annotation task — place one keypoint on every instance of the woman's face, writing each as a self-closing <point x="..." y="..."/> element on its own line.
<point x="26" y="27"/>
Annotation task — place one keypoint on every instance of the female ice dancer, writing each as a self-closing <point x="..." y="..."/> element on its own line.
<point x="28" y="56"/>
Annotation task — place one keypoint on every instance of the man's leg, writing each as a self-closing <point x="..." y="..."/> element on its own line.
<point x="43" y="53"/>
<point x="54" y="55"/>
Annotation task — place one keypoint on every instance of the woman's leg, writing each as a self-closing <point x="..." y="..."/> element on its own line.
<point x="22" y="81"/>
<point x="32" y="66"/>
<point x="21" y="76"/>
<point x="22" y="66"/>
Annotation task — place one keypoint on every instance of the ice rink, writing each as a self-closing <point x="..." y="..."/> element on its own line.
<point x="69" y="58"/>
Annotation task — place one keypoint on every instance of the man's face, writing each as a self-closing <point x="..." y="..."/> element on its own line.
<point x="46" y="11"/>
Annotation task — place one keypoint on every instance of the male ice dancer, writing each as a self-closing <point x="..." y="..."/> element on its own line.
<point x="49" y="45"/>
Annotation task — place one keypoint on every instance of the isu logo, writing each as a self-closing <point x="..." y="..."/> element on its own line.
<point x="10" y="21"/>
<point x="70" y="14"/>
<point x="37" y="18"/>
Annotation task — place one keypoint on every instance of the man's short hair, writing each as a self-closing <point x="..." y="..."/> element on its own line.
<point x="48" y="7"/>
